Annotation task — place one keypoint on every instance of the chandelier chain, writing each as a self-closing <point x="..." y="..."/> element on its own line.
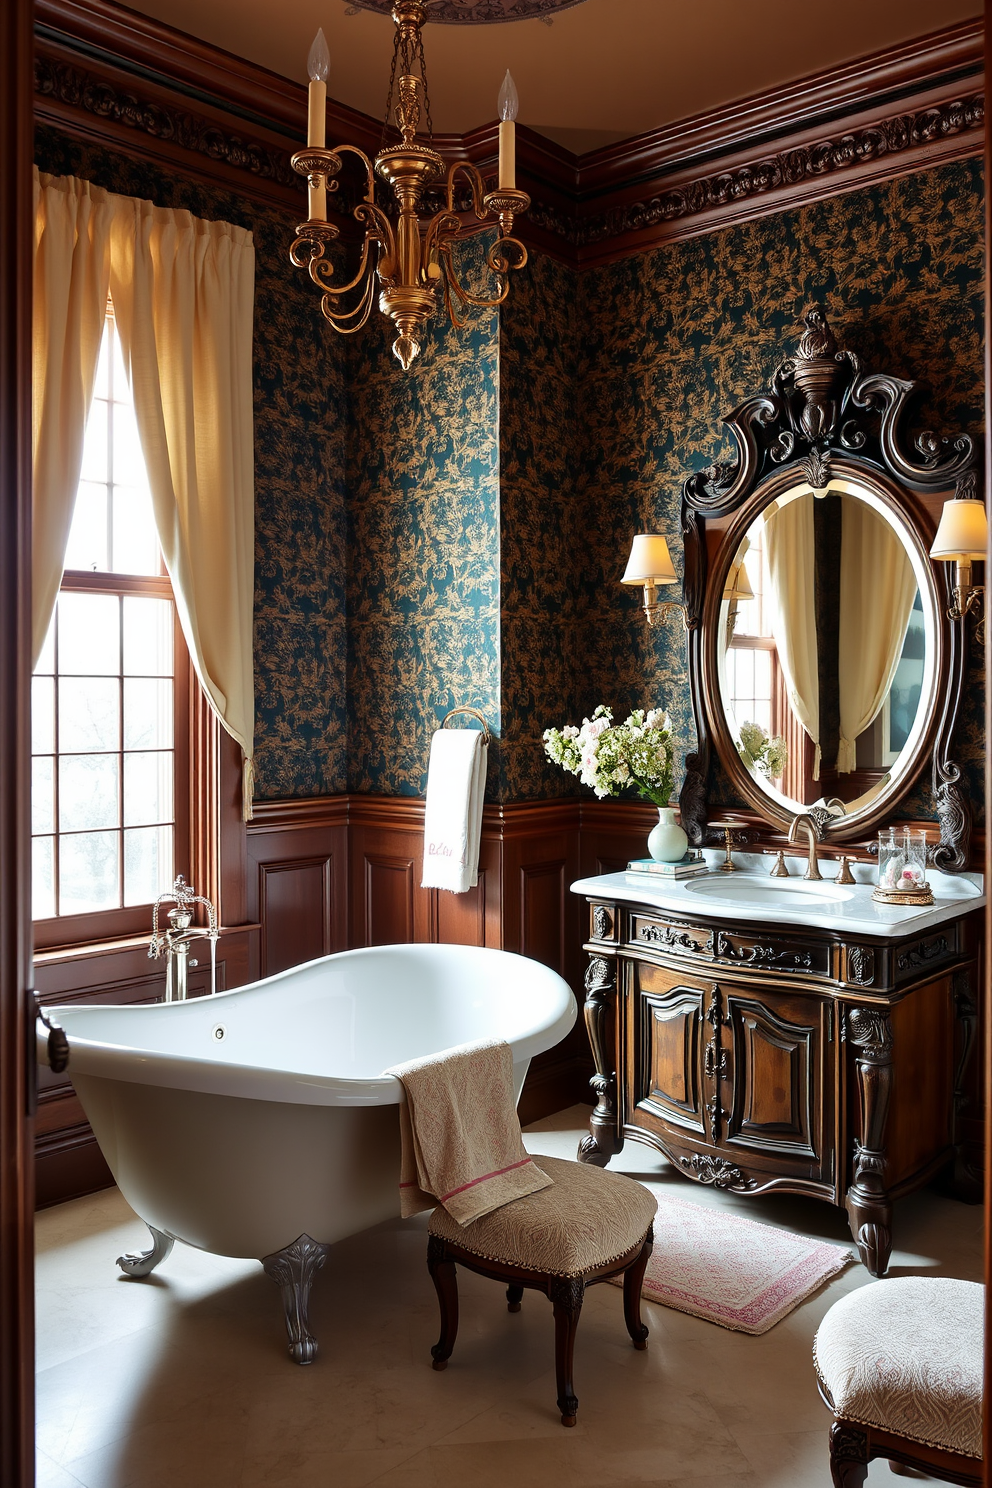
<point x="389" y="95"/>
<point x="427" y="91"/>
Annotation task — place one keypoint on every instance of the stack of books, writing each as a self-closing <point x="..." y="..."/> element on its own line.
<point x="688" y="867"/>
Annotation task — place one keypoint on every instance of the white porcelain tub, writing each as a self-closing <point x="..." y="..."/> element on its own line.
<point x="243" y="1122"/>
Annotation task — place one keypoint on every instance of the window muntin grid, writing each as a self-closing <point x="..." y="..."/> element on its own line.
<point x="104" y="690"/>
<point x="751" y="661"/>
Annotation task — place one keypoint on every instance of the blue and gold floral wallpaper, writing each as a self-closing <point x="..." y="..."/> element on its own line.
<point x="423" y="540"/>
<point x="457" y="534"/>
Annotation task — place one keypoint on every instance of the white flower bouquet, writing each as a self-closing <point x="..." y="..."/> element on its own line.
<point x="610" y="756"/>
<point x="767" y="754"/>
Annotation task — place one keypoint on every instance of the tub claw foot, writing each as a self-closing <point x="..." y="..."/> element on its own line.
<point x="293" y="1271"/>
<point x="143" y="1262"/>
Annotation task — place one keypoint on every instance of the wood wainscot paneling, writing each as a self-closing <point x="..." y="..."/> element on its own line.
<point x="297" y="890"/>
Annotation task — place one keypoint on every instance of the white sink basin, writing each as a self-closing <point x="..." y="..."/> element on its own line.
<point x="764" y="893"/>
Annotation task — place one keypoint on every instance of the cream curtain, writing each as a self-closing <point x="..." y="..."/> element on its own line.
<point x="183" y="293"/>
<point x="877" y="591"/>
<point x="788" y="533"/>
<point x="71" y="276"/>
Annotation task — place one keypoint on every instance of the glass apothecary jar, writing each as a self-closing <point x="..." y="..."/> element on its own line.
<point x="902" y="867"/>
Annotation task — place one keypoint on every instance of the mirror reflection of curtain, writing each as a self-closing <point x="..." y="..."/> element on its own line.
<point x="791" y="563"/>
<point x="877" y="590"/>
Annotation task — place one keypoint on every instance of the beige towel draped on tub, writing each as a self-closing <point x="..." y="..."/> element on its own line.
<point x="460" y="1134"/>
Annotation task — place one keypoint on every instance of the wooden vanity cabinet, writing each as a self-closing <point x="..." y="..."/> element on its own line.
<point x="794" y="1060"/>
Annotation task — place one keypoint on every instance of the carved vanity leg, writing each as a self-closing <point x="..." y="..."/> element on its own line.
<point x="869" y="1208"/>
<point x="446" y="1285"/>
<point x="848" y="1456"/>
<point x="633" y="1280"/>
<point x="143" y="1262"/>
<point x="602" y="1141"/>
<point x="293" y="1270"/>
<point x="514" y="1296"/>
<point x="965" y="1183"/>
<point x="566" y="1293"/>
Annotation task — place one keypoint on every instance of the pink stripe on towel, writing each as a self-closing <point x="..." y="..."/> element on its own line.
<point x="485" y="1178"/>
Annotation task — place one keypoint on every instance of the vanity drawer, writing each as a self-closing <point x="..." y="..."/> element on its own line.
<point x="728" y="948"/>
<point x="678" y="940"/>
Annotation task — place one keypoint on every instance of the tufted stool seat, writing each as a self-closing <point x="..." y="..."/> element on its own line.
<point x="589" y="1226"/>
<point x="899" y="1363"/>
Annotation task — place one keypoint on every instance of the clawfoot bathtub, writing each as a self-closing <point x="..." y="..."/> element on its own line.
<point x="258" y="1122"/>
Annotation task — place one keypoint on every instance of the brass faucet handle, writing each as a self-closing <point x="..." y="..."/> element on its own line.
<point x="844" y="874"/>
<point x="779" y="870"/>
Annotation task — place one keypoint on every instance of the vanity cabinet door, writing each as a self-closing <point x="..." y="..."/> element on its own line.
<point x="665" y="1072"/>
<point x="780" y="1048"/>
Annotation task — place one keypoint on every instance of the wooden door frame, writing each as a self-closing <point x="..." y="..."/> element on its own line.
<point x="987" y="958"/>
<point x="16" y="1012"/>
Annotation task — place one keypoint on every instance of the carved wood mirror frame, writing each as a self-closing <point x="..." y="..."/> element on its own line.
<point x="821" y="418"/>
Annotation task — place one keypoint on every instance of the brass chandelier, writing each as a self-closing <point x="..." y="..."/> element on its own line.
<point x="411" y="258"/>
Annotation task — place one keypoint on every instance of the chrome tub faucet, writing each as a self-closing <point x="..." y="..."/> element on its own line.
<point x="174" y="943"/>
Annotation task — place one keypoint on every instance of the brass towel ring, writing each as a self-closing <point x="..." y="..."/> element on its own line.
<point x="472" y="713"/>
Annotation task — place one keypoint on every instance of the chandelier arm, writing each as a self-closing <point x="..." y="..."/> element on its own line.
<point x="341" y="321"/>
<point x="321" y="271"/>
<point x="466" y="296"/>
<point x="475" y="181"/>
<point x="369" y="167"/>
<point x="502" y="263"/>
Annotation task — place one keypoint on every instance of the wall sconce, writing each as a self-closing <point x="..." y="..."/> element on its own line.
<point x="962" y="539"/>
<point x="649" y="565"/>
<point x="736" y="593"/>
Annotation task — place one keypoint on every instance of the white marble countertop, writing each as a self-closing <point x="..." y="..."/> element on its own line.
<point x="839" y="907"/>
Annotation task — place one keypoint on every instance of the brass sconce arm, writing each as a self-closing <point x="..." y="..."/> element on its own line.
<point x="655" y="611"/>
<point x="968" y="599"/>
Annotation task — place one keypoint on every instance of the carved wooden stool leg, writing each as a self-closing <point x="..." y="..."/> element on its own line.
<point x="848" y="1456"/>
<point x="633" y="1280"/>
<point x="514" y="1296"/>
<point x="566" y="1294"/>
<point x="293" y="1271"/>
<point x="446" y="1285"/>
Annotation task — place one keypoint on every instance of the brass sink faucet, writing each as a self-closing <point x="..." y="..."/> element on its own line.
<point x="804" y="822"/>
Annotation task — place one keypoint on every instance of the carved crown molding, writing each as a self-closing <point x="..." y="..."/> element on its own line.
<point x="95" y="94"/>
<point x="886" y="138"/>
<point x="103" y="71"/>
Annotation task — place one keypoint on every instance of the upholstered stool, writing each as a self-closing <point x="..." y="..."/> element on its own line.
<point x="900" y="1365"/>
<point x="589" y="1227"/>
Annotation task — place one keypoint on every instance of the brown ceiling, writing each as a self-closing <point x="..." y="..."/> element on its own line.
<point x="601" y="71"/>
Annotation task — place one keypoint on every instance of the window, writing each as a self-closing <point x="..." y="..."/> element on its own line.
<point x="110" y="705"/>
<point x="752" y="658"/>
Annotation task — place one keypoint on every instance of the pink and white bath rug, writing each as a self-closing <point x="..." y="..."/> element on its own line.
<point x="733" y="1271"/>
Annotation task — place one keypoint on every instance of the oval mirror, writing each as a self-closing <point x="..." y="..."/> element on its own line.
<point x="826" y="650"/>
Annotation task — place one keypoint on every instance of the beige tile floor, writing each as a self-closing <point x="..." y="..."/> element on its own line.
<point x="182" y="1380"/>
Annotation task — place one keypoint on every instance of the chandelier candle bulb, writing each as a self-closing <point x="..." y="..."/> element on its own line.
<point x="508" y="104"/>
<point x="318" y="66"/>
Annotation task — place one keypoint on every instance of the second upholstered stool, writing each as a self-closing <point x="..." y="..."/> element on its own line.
<point x="590" y="1226"/>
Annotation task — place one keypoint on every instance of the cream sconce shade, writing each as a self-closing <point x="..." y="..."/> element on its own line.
<point x="649" y="565"/>
<point x="962" y="539"/>
<point x="738" y="590"/>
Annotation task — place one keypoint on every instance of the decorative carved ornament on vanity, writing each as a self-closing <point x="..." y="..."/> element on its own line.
<point x="805" y="1055"/>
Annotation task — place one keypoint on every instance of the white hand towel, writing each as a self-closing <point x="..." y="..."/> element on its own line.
<point x="456" y="785"/>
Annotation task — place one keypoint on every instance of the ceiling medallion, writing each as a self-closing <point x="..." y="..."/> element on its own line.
<point x="411" y="259"/>
<point x="476" y="12"/>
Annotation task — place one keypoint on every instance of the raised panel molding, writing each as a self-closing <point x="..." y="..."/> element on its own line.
<point x="775" y="1079"/>
<point x="295" y="900"/>
<point x="108" y="73"/>
<point x="388" y="900"/>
